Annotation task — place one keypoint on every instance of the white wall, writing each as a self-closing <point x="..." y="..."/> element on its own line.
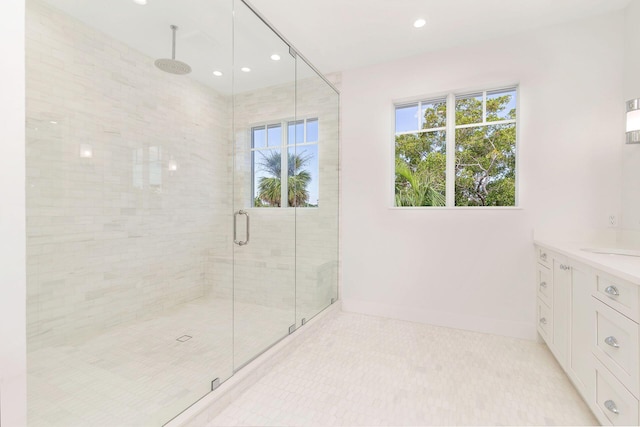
<point x="631" y="158"/>
<point x="12" y="217"/>
<point x="473" y="268"/>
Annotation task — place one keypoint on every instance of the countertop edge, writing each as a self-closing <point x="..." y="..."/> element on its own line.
<point x="624" y="267"/>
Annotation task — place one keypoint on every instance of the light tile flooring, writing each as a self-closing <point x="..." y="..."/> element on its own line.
<point x="137" y="374"/>
<point x="362" y="370"/>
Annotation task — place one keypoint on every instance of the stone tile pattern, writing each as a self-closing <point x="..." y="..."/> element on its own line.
<point x="116" y="237"/>
<point x="369" y="371"/>
<point x="137" y="373"/>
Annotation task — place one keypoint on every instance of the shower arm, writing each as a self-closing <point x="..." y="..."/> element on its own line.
<point x="174" y="28"/>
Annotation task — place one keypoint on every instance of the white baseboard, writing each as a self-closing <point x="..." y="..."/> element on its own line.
<point x="488" y="325"/>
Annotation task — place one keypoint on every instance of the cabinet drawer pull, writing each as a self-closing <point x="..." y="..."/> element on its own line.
<point x="543" y="321"/>
<point x="612" y="290"/>
<point x="543" y="256"/>
<point x="611" y="405"/>
<point x="564" y="267"/>
<point x="612" y="341"/>
<point x="543" y="284"/>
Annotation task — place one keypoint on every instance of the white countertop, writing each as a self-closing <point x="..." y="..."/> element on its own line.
<point x="622" y="266"/>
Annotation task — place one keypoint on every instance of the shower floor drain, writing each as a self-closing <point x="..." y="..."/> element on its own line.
<point x="184" y="338"/>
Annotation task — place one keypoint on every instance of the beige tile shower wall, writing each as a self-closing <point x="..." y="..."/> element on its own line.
<point x="289" y="247"/>
<point x="116" y="236"/>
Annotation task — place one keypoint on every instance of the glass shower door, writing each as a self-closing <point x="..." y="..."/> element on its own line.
<point x="129" y="189"/>
<point x="314" y="141"/>
<point x="263" y="221"/>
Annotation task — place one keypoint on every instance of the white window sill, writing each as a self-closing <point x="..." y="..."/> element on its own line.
<point x="458" y="208"/>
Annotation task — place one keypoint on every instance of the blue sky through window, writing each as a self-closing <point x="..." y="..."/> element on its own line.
<point x="407" y="118"/>
<point x="511" y="105"/>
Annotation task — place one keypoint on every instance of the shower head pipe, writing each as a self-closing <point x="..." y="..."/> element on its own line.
<point x="172" y="65"/>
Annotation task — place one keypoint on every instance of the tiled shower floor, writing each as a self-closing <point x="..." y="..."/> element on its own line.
<point x="138" y="374"/>
<point x="359" y="370"/>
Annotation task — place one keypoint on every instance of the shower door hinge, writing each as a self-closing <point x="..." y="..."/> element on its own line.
<point x="293" y="52"/>
<point x="303" y="321"/>
<point x="292" y="328"/>
<point x="215" y="384"/>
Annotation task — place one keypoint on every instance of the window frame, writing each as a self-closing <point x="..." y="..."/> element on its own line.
<point x="284" y="147"/>
<point x="450" y="145"/>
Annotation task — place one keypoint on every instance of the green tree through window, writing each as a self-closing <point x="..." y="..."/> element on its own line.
<point x="484" y="150"/>
<point x="294" y="176"/>
<point x="270" y="186"/>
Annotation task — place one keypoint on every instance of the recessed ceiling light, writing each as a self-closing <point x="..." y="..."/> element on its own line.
<point x="140" y="2"/>
<point x="217" y="73"/>
<point x="275" y="57"/>
<point x="419" y="23"/>
<point x="245" y="69"/>
<point x="53" y="122"/>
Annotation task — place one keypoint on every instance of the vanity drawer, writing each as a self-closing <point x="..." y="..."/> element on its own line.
<point x="543" y="256"/>
<point x="545" y="284"/>
<point x="616" y="345"/>
<point x="619" y="294"/>
<point x="613" y="400"/>
<point x="545" y="321"/>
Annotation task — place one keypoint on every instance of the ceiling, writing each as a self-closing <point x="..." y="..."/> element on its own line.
<point x="334" y="35"/>
<point x="208" y="39"/>
<point x="341" y="34"/>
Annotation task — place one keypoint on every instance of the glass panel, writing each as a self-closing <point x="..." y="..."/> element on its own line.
<point x="501" y="105"/>
<point x="295" y="133"/>
<point x="275" y="135"/>
<point x="258" y="137"/>
<point x="407" y="118"/>
<point x="303" y="176"/>
<point x="434" y="114"/>
<point x="131" y="258"/>
<point x="267" y="171"/>
<point x="312" y="130"/>
<point x="468" y="109"/>
<point x="264" y="268"/>
<point x="485" y="165"/>
<point x="317" y="227"/>
<point x="155" y="168"/>
<point x="129" y="310"/>
<point x="420" y="163"/>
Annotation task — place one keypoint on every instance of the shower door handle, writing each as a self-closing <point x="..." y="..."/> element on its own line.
<point x="235" y="228"/>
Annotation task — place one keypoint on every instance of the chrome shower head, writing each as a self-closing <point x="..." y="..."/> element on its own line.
<point x="172" y="65"/>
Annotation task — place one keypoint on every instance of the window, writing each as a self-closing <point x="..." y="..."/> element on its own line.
<point x="467" y="158"/>
<point x="421" y="153"/>
<point x="150" y="167"/>
<point x="155" y="167"/>
<point x="299" y="187"/>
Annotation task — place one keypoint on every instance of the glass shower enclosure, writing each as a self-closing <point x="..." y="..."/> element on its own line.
<point x="178" y="225"/>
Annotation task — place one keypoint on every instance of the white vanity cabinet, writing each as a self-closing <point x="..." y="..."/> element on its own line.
<point x="544" y="304"/>
<point x="589" y="318"/>
<point x="580" y="314"/>
<point x="553" y="282"/>
<point x="561" y="297"/>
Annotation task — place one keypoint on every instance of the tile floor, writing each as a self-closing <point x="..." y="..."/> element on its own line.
<point x="138" y="374"/>
<point x="362" y="370"/>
